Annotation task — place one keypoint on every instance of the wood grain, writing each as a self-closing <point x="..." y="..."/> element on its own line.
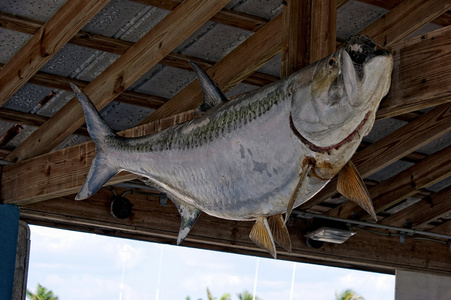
<point x="405" y="19"/>
<point x="230" y="70"/>
<point x="420" y="76"/>
<point x="422" y="212"/>
<point x="41" y="47"/>
<point x="153" y="222"/>
<point x="63" y="172"/>
<point x="147" y="52"/>
<point x="427" y="172"/>
<point x="392" y="147"/>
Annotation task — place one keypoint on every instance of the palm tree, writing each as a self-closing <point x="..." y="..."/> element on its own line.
<point x="242" y="296"/>
<point x="246" y="296"/>
<point x="348" y="295"/>
<point x="41" y="294"/>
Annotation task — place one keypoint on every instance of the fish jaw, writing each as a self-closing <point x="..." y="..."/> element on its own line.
<point x="347" y="95"/>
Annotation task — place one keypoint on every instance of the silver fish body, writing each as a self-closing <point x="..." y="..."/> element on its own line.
<point x="243" y="158"/>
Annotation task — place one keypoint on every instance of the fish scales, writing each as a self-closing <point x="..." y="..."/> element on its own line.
<point x="262" y="153"/>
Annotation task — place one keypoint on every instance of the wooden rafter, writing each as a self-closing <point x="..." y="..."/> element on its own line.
<point x="423" y="55"/>
<point x="422" y="212"/>
<point x="41" y="47"/>
<point x="443" y="20"/>
<point x="62" y="172"/>
<point x="382" y="153"/>
<point x="392" y="147"/>
<point x="229" y="71"/>
<point x="15" y="116"/>
<point x="156" y="223"/>
<point x="427" y="172"/>
<point x="405" y="19"/>
<point x="117" y="46"/>
<point x="147" y="52"/>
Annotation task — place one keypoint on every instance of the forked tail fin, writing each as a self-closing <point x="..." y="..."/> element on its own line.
<point x="101" y="171"/>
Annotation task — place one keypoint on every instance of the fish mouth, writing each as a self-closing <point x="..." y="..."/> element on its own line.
<point x="361" y="49"/>
<point x="327" y="149"/>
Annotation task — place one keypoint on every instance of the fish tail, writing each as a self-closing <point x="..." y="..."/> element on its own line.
<point x="101" y="171"/>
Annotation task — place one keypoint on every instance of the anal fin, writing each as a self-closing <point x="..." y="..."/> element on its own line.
<point x="350" y="184"/>
<point x="189" y="215"/>
<point x="279" y="231"/>
<point x="262" y="237"/>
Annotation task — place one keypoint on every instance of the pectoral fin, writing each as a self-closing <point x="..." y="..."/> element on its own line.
<point x="297" y="192"/>
<point x="261" y="235"/>
<point x="189" y="215"/>
<point x="279" y="232"/>
<point x="350" y="184"/>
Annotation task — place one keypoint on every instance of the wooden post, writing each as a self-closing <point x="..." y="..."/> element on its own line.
<point x="309" y="33"/>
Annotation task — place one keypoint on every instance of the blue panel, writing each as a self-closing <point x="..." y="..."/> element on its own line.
<point x="9" y="228"/>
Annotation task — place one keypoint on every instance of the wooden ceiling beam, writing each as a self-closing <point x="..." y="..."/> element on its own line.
<point x="427" y="172"/>
<point x="135" y="62"/>
<point x="63" y="172"/>
<point x="422" y="212"/>
<point x="444" y="228"/>
<point x="63" y="83"/>
<point x="117" y="46"/>
<point x="392" y="147"/>
<point x="405" y="19"/>
<point x="420" y="78"/>
<point x="309" y="33"/>
<point x="19" y="117"/>
<point x="443" y="20"/>
<point x="224" y="16"/>
<point x="230" y="70"/>
<point x="41" y="47"/>
<point x="153" y="222"/>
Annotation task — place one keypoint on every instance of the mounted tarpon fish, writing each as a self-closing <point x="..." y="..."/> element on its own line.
<point x="261" y="154"/>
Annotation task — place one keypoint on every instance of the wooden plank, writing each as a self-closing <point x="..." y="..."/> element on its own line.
<point x="422" y="212"/>
<point x="19" y="117"/>
<point x="224" y="16"/>
<point x="427" y="172"/>
<point x="420" y="78"/>
<point x="117" y="46"/>
<point x="323" y="29"/>
<point x="230" y="70"/>
<point x="394" y="146"/>
<point x="41" y="47"/>
<point x="296" y="37"/>
<point x="63" y="172"/>
<point x="444" y="228"/>
<point x="147" y="52"/>
<point x="150" y="221"/>
<point x="405" y="19"/>
<point x="443" y="20"/>
<point x="63" y="83"/>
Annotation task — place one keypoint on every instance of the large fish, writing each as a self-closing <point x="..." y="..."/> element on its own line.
<point x="262" y="153"/>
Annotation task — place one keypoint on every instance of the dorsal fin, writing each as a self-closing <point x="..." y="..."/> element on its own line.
<point x="189" y="215"/>
<point x="212" y="95"/>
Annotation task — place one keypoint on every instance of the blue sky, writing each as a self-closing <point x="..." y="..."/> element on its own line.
<point x="77" y="265"/>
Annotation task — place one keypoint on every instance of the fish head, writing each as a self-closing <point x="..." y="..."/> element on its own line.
<point x="344" y="93"/>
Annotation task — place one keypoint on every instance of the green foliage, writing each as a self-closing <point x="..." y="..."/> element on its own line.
<point x="348" y="295"/>
<point x="242" y="296"/>
<point x="42" y="293"/>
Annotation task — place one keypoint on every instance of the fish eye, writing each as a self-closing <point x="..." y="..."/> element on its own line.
<point x="332" y="62"/>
